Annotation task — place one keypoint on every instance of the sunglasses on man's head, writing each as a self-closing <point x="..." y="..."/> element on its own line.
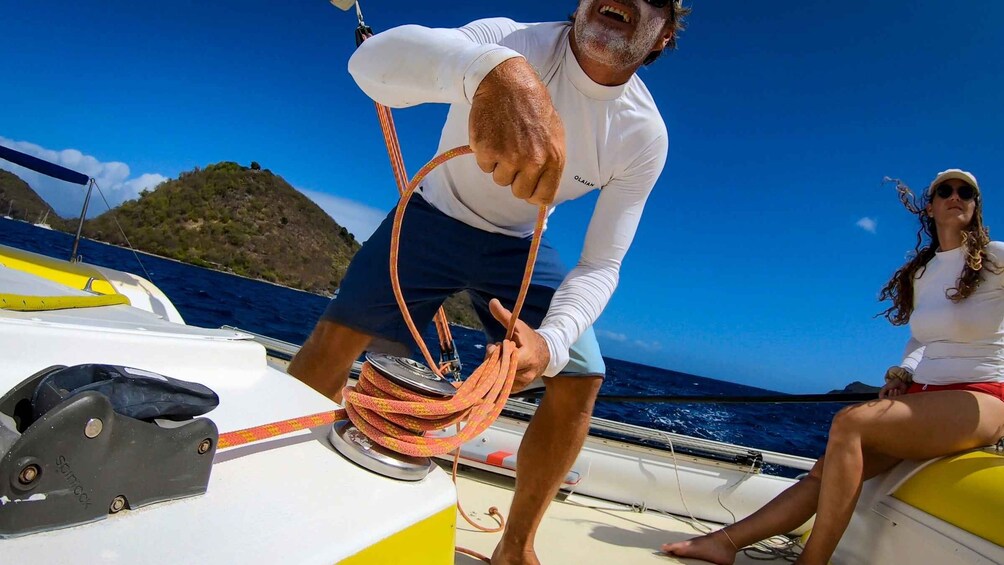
<point x="660" y="3"/>
<point x="966" y="192"/>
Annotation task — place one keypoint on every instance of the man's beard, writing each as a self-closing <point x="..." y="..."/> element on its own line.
<point x="608" y="46"/>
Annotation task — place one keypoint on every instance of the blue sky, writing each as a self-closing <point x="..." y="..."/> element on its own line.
<point x="764" y="244"/>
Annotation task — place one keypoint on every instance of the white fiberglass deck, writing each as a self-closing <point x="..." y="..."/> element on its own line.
<point x="577" y="530"/>
<point x="292" y="499"/>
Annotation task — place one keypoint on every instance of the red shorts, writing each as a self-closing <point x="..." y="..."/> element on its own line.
<point x="995" y="390"/>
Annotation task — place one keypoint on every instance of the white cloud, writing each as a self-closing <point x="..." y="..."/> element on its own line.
<point x="648" y="345"/>
<point x="867" y="224"/>
<point x="628" y="341"/>
<point x="113" y="177"/>
<point x="612" y="336"/>
<point x="361" y="220"/>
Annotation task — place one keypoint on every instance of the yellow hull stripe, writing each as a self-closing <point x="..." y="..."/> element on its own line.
<point x="24" y="303"/>
<point x="429" y="542"/>
<point x="73" y="275"/>
<point x="965" y="490"/>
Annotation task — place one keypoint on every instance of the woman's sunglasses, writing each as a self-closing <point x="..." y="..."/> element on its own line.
<point x="966" y="192"/>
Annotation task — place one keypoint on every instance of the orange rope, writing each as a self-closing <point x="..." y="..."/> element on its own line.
<point x="396" y="238"/>
<point x="391" y="415"/>
<point x="266" y="431"/>
<point x="395" y="417"/>
<point x="440" y="320"/>
<point x="389" y="412"/>
<point x="401" y="178"/>
<point x="492" y="511"/>
<point x="393" y="147"/>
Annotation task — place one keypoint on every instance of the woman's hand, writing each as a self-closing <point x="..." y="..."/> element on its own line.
<point x="897" y="381"/>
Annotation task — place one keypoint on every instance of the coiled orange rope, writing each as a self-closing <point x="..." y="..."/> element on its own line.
<point x="395" y="417"/>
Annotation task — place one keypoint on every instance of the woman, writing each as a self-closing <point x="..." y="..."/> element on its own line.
<point x="946" y="396"/>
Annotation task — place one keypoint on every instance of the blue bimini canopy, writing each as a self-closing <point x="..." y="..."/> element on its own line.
<point x="39" y="166"/>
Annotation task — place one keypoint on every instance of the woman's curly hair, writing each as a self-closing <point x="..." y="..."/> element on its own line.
<point x="975" y="239"/>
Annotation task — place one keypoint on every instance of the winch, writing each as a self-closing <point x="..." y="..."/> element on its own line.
<point x="359" y="449"/>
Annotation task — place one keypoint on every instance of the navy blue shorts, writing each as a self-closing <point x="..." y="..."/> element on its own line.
<point x="440" y="256"/>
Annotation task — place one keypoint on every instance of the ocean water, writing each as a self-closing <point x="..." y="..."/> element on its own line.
<point x="211" y="299"/>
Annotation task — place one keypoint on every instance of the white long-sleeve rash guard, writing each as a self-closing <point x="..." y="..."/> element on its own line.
<point x="957" y="342"/>
<point x="616" y="141"/>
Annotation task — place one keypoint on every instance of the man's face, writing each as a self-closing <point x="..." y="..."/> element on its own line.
<point x="620" y="33"/>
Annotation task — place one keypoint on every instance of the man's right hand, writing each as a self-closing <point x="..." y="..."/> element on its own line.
<point x="533" y="354"/>
<point x="516" y="134"/>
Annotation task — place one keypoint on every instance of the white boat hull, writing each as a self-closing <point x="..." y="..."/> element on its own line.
<point x="886" y="530"/>
<point x="643" y="477"/>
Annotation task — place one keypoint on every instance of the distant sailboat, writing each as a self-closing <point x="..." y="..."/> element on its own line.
<point x="41" y="221"/>
<point x="10" y="208"/>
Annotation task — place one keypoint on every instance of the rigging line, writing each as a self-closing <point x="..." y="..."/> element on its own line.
<point x="749" y="473"/>
<point x="447" y="346"/>
<point x="359" y="14"/>
<point x="769" y="549"/>
<point x="783" y="549"/>
<point x="121" y="231"/>
<point x="679" y="487"/>
<point x="743" y="399"/>
<point x="774" y="548"/>
<point x="493" y="512"/>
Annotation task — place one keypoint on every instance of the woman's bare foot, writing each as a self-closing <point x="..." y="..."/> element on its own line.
<point x="714" y="547"/>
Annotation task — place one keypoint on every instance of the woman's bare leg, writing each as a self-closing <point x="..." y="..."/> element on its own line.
<point x="916" y="426"/>
<point x="787" y="511"/>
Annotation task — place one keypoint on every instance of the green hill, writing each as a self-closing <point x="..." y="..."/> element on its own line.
<point x="23" y="203"/>
<point x="247" y="221"/>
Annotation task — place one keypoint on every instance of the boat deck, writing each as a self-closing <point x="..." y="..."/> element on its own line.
<point x="575" y="529"/>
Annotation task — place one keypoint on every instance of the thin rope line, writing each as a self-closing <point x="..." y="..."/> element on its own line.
<point x="121" y="231"/>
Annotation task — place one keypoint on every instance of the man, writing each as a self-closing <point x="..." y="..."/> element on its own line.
<point x="553" y="111"/>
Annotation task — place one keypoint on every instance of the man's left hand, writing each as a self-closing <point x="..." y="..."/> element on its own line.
<point x="534" y="356"/>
